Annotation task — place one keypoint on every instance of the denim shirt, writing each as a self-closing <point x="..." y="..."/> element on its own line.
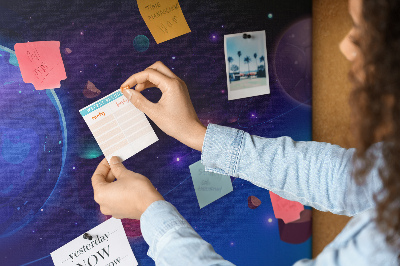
<point x="312" y="173"/>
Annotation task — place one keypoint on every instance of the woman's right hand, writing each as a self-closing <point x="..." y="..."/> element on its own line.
<point x="173" y="113"/>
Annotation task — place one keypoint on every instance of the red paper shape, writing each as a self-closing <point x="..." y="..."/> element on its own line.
<point x="41" y="63"/>
<point x="297" y="231"/>
<point x="284" y="209"/>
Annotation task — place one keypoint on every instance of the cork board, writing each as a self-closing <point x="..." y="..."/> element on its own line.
<point x="331" y="89"/>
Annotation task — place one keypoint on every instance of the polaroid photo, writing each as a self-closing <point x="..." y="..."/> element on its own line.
<point x="246" y="64"/>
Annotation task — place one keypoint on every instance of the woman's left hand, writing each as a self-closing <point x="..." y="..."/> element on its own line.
<point x="128" y="196"/>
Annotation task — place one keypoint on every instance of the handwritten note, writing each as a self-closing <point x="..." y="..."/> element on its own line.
<point x="209" y="186"/>
<point x="108" y="246"/>
<point x="284" y="209"/>
<point x="41" y="63"/>
<point x="164" y="18"/>
<point x="118" y="126"/>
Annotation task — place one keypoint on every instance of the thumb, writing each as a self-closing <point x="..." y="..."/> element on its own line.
<point x="117" y="168"/>
<point x="138" y="100"/>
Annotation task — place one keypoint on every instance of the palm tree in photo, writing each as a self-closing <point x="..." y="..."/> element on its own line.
<point x="239" y="55"/>
<point x="230" y="60"/>
<point x="255" y="58"/>
<point x="247" y="60"/>
<point x="262" y="59"/>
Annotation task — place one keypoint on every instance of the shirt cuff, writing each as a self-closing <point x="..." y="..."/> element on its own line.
<point x="221" y="149"/>
<point x="159" y="218"/>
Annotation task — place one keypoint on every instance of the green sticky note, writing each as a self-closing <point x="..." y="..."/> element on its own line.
<point x="209" y="186"/>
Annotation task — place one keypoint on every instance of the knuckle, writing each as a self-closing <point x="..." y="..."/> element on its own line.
<point x="102" y="210"/>
<point x="138" y="102"/>
<point x="149" y="71"/>
<point x="118" y="170"/>
<point x="97" y="196"/>
<point x="176" y="83"/>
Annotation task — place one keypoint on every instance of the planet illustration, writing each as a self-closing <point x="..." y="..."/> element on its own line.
<point x="293" y="61"/>
<point x="32" y="146"/>
<point x="253" y="202"/>
<point x="141" y="43"/>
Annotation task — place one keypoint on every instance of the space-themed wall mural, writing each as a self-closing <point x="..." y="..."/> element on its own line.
<point x="48" y="154"/>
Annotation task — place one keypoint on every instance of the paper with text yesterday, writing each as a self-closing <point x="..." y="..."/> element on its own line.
<point x="109" y="246"/>
<point x="209" y="186"/>
<point x="118" y="126"/>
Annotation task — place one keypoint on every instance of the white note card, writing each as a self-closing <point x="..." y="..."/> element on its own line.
<point x="108" y="247"/>
<point x="118" y="126"/>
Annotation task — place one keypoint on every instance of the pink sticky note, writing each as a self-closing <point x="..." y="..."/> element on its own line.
<point x="284" y="209"/>
<point x="41" y="63"/>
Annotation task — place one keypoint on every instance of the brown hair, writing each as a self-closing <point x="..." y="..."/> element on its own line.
<point x="375" y="103"/>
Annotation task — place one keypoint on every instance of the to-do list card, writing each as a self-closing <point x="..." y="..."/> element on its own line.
<point x="118" y="126"/>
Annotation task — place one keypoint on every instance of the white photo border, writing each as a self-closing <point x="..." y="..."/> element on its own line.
<point x="248" y="92"/>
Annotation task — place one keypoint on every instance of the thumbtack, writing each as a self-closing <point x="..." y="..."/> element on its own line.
<point x="246" y="36"/>
<point x="87" y="236"/>
<point x="125" y="88"/>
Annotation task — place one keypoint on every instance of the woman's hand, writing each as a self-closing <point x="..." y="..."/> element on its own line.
<point x="173" y="113"/>
<point x="127" y="197"/>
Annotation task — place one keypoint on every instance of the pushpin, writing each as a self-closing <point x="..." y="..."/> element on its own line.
<point x="87" y="236"/>
<point x="246" y="36"/>
<point x="125" y="88"/>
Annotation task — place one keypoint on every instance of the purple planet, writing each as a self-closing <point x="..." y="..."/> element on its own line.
<point x="293" y="61"/>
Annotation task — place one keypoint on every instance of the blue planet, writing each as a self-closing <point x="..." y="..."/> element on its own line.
<point x="141" y="43"/>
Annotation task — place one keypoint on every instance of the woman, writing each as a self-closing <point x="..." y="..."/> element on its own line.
<point x="360" y="182"/>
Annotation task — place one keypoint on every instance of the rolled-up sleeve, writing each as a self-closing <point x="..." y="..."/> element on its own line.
<point x="315" y="174"/>
<point x="171" y="239"/>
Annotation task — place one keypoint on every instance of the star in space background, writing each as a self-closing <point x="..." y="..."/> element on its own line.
<point x="48" y="154"/>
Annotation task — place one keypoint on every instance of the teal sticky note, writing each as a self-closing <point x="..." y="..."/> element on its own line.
<point x="209" y="186"/>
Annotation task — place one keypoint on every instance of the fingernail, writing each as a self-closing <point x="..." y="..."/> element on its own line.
<point x="128" y="94"/>
<point x="115" y="160"/>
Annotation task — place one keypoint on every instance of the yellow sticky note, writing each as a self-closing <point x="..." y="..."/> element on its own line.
<point x="164" y="18"/>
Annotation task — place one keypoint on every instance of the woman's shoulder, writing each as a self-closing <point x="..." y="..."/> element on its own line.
<point x="361" y="238"/>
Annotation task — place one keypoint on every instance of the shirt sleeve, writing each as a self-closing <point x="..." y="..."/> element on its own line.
<point x="171" y="239"/>
<point x="359" y="243"/>
<point x="313" y="173"/>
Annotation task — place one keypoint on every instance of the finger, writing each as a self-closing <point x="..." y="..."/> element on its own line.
<point x="100" y="174"/>
<point x="117" y="167"/>
<point x="140" y="102"/>
<point x="160" y="67"/>
<point x="160" y="80"/>
<point x="105" y="210"/>
<point x="110" y="177"/>
<point x="143" y="86"/>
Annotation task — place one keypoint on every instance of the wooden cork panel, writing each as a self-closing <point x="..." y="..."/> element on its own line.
<point x="331" y="89"/>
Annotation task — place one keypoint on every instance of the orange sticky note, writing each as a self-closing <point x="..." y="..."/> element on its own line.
<point x="164" y="18"/>
<point x="284" y="209"/>
<point x="41" y="63"/>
